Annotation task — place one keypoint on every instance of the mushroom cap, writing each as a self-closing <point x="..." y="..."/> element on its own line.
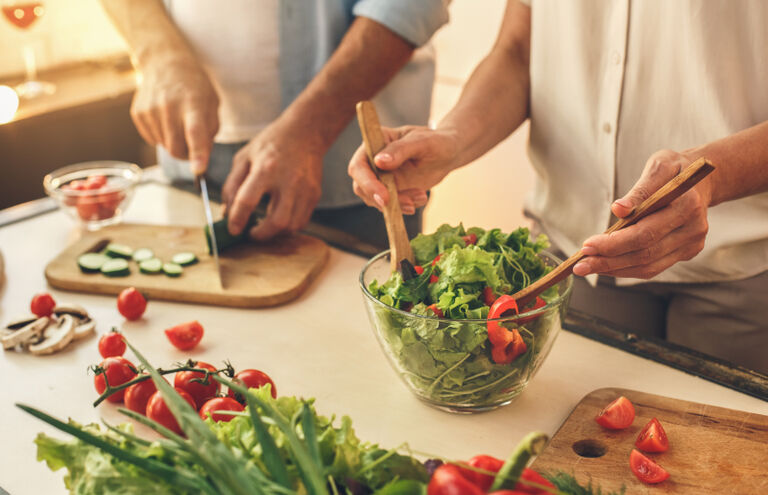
<point x="56" y="337"/>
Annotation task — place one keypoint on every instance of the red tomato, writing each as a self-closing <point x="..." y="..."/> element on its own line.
<point x="645" y="469"/>
<point x="220" y="404"/>
<point x="186" y="335"/>
<point x="108" y="203"/>
<point x="437" y="258"/>
<point x="42" y="304"/>
<point x="447" y="480"/>
<point x="617" y="415"/>
<point x="470" y="239"/>
<point x="419" y="269"/>
<point x="438" y="312"/>
<point x="433" y="279"/>
<point x="539" y="303"/>
<point x="111" y="344"/>
<point x="190" y="382"/>
<point x="138" y="394"/>
<point x="75" y="185"/>
<point x="510" y="492"/>
<point x="131" y="304"/>
<point x="652" y="438"/>
<point x="482" y="463"/>
<point x="158" y="411"/>
<point x="95" y="181"/>
<point x="488" y="296"/>
<point x="252" y="379"/>
<point x="119" y="370"/>
<point x="88" y="208"/>
<point x="531" y="478"/>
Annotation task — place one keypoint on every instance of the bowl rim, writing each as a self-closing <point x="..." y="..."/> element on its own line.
<point x="534" y="312"/>
<point x="90" y="165"/>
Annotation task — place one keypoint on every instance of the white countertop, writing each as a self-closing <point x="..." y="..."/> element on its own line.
<point x="321" y="345"/>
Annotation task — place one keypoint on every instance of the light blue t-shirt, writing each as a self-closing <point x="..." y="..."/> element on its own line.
<point x="310" y="31"/>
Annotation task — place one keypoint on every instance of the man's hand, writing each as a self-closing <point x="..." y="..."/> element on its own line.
<point x="658" y="241"/>
<point x="176" y="107"/>
<point x="279" y="163"/>
<point x="417" y="156"/>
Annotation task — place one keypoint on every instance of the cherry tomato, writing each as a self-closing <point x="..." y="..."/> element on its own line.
<point x="437" y="258"/>
<point x="419" y="269"/>
<point x="488" y="296"/>
<point x="483" y="463"/>
<point x="530" y="481"/>
<point x="645" y="469"/>
<point x="111" y="344"/>
<point x="138" y="394"/>
<point x="131" y="304"/>
<point x="652" y="438"/>
<point x="88" y="208"/>
<point x="252" y="379"/>
<point x="438" y="312"/>
<point x="617" y="415"/>
<point x="42" y="304"/>
<point x="108" y="203"/>
<point x="470" y="239"/>
<point x="95" y="181"/>
<point x="190" y="382"/>
<point x="447" y="480"/>
<point x="186" y="335"/>
<point x="220" y="404"/>
<point x="75" y="185"/>
<point x="433" y="279"/>
<point x="158" y="411"/>
<point x="119" y="370"/>
<point x="539" y="303"/>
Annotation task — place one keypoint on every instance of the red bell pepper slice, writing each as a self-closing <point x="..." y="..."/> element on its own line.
<point x="419" y="269"/>
<point x="436" y="310"/>
<point x="506" y="345"/>
<point x="488" y="296"/>
<point x="433" y="279"/>
<point x="437" y="258"/>
<point x="469" y="239"/>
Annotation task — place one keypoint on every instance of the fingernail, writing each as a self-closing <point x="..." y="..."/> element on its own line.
<point x="409" y="210"/>
<point x="623" y="202"/>
<point x="582" y="268"/>
<point x="419" y="197"/>
<point x="589" y="250"/>
<point x="383" y="158"/>
<point x="379" y="201"/>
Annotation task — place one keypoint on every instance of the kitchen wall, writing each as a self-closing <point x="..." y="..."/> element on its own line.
<point x="69" y="31"/>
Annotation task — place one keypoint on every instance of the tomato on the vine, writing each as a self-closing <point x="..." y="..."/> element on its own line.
<point x="118" y="370"/>
<point x="131" y="304"/>
<point x="652" y="438"/>
<point x="617" y="415"/>
<point x="42" y="305"/>
<point x="191" y="382"/>
<point x="186" y="335"/>
<point x="252" y="379"/>
<point x="158" y="411"/>
<point x="111" y="344"/>
<point x="220" y="404"/>
<point x="138" y="394"/>
<point x="645" y="469"/>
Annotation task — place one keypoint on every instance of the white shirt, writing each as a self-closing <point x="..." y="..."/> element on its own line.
<point x="238" y="43"/>
<point x="614" y="81"/>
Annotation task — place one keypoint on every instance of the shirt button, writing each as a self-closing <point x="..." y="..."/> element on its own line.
<point x="607" y="128"/>
<point x="616" y="58"/>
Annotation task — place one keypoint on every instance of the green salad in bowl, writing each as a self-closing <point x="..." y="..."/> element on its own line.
<point x="448" y="324"/>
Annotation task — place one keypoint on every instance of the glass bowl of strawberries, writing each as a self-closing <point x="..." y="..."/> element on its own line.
<point x="93" y="193"/>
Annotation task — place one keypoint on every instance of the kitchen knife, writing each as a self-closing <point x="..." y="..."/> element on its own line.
<point x="211" y="232"/>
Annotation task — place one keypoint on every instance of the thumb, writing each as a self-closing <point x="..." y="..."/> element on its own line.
<point x="654" y="176"/>
<point x="398" y="152"/>
<point x="199" y="140"/>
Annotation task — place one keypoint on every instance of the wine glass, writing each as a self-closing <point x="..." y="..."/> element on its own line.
<point x="22" y="14"/>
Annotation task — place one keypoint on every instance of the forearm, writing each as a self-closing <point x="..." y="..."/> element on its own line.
<point x="367" y="58"/>
<point x="494" y="101"/>
<point x="149" y="33"/>
<point x="742" y="164"/>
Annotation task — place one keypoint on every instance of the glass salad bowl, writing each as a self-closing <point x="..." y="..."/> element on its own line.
<point x="93" y="193"/>
<point x="448" y="363"/>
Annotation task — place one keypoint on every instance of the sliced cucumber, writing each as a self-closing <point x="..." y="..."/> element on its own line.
<point x="117" y="267"/>
<point x="151" y="266"/>
<point x="184" y="259"/>
<point x="172" y="269"/>
<point x="115" y="250"/>
<point x="142" y="254"/>
<point x="91" y="262"/>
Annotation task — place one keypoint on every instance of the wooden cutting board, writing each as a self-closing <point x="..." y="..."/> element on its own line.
<point x="712" y="450"/>
<point x="254" y="275"/>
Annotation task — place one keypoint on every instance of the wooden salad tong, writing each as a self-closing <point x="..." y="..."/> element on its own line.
<point x="399" y="246"/>
<point x="672" y="190"/>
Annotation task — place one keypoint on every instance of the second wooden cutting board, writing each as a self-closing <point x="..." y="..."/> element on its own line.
<point x="712" y="450"/>
<point x="255" y="275"/>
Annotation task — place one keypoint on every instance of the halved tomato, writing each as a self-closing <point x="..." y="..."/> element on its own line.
<point x="652" y="438"/>
<point x="617" y="415"/>
<point x="645" y="469"/>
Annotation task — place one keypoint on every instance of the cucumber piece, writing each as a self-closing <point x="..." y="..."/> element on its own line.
<point x="115" y="250"/>
<point x="151" y="266"/>
<point x="91" y="262"/>
<point x="117" y="267"/>
<point x="142" y="254"/>
<point x="226" y="240"/>
<point x="184" y="259"/>
<point x="172" y="269"/>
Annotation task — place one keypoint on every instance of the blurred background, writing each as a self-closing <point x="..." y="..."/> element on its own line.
<point x="71" y="44"/>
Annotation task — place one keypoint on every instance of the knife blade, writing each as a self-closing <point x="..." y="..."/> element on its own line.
<point x="209" y="220"/>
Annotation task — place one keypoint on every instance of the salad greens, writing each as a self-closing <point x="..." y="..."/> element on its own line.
<point x="447" y="361"/>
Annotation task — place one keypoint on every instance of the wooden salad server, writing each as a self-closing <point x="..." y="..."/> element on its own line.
<point x="399" y="246"/>
<point x="672" y="190"/>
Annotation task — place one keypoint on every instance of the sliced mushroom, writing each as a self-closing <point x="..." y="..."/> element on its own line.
<point x="25" y="334"/>
<point x="84" y="328"/>
<point x="70" y="309"/>
<point x="57" y="336"/>
<point x="20" y="321"/>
